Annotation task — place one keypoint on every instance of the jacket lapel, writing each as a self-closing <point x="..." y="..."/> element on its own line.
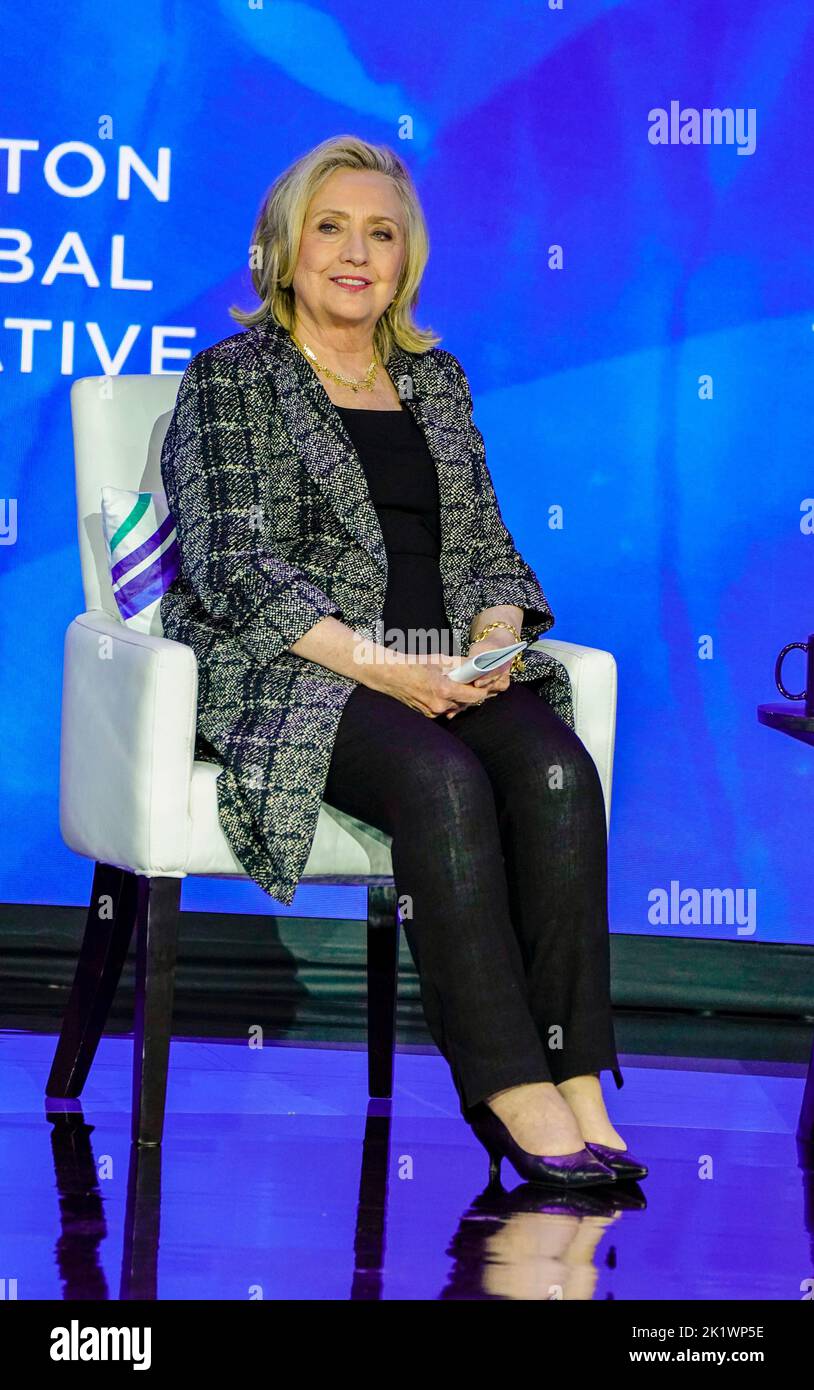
<point x="327" y="451"/>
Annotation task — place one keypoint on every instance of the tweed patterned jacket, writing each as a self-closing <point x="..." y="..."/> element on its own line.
<point x="276" y="529"/>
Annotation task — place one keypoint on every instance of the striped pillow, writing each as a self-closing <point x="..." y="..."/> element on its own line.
<point x="143" y="553"/>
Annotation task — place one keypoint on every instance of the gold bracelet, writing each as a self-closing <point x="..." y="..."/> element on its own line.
<point x="518" y="664"/>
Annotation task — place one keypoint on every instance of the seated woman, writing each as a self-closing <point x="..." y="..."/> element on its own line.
<point x="342" y="550"/>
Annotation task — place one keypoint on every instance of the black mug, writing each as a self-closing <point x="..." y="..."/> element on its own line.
<point x="808" y="693"/>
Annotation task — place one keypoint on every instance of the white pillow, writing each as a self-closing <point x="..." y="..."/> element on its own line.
<point x="143" y="554"/>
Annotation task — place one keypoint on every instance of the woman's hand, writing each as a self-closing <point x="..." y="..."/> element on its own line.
<point x="422" y="683"/>
<point x="494" y="681"/>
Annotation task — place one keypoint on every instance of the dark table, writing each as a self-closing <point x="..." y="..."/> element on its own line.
<point x="788" y="720"/>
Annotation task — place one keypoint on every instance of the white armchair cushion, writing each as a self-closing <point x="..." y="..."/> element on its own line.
<point x="142" y="553"/>
<point x="127" y="746"/>
<point x="593" y="676"/>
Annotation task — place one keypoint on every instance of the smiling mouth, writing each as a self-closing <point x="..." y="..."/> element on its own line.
<point x="350" y="282"/>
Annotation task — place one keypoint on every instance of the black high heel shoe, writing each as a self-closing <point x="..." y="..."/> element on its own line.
<point x="623" y="1163"/>
<point x="578" y="1169"/>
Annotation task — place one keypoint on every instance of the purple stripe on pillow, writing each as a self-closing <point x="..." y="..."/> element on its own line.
<point x="150" y="584"/>
<point x="146" y="548"/>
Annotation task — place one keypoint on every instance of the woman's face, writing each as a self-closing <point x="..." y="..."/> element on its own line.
<point x="354" y="229"/>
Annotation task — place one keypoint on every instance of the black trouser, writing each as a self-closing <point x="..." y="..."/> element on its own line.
<point x="499" y="847"/>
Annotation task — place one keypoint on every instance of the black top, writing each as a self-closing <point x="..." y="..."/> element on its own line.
<point x="403" y="484"/>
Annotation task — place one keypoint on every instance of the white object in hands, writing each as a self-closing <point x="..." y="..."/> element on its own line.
<point x="485" y="662"/>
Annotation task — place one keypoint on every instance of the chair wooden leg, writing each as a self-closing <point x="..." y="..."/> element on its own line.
<point x="108" y="930"/>
<point x="382" y="984"/>
<point x="157" y="922"/>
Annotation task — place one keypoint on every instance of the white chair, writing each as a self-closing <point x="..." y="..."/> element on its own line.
<point x="134" y="800"/>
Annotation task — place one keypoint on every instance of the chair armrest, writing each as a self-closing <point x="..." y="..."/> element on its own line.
<point x="129" y="705"/>
<point x="593" y="677"/>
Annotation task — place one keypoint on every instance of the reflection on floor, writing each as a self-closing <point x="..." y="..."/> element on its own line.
<point x="279" y="1179"/>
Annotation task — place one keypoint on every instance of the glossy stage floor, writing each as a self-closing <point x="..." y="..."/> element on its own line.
<point x="278" y="1179"/>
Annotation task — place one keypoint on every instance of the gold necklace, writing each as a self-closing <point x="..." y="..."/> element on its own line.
<point x="366" y="384"/>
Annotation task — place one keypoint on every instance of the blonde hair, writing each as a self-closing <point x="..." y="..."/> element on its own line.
<point x="278" y="229"/>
